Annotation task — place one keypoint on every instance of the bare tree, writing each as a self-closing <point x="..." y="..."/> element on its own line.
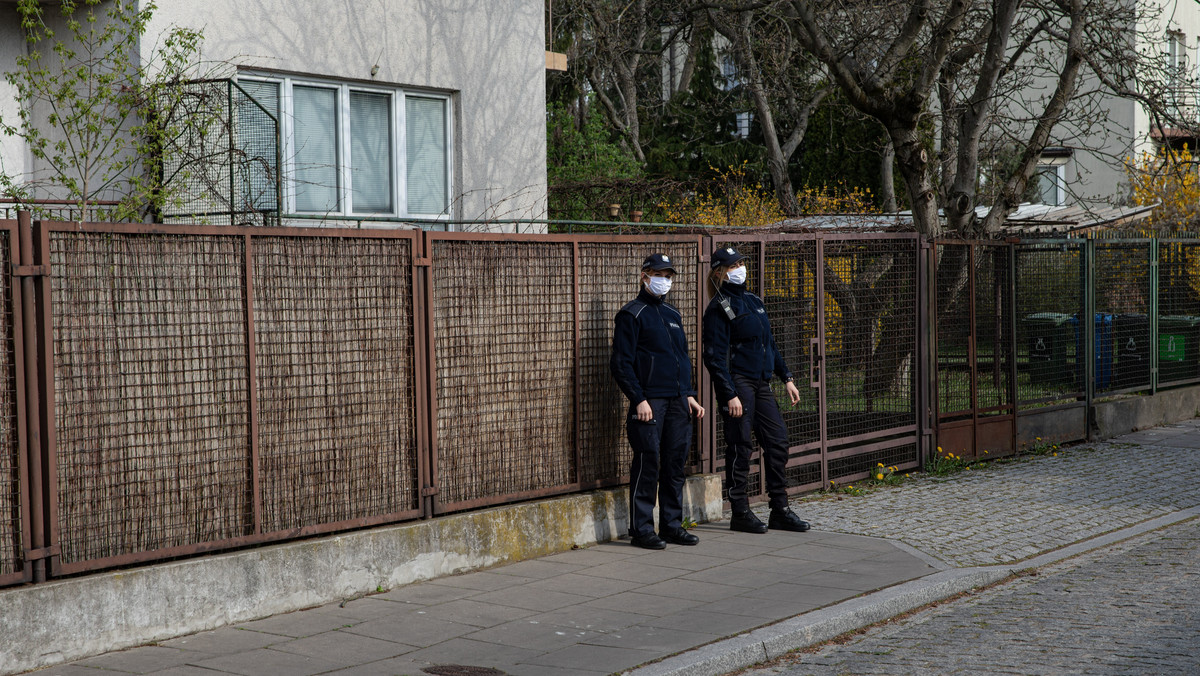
<point x="619" y="48"/>
<point x="784" y="83"/>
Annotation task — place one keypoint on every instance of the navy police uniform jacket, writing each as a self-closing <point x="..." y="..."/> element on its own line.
<point x="742" y="346"/>
<point x="649" y="354"/>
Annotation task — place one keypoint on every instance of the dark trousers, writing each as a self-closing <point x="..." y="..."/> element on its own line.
<point x="660" y="450"/>
<point x="760" y="414"/>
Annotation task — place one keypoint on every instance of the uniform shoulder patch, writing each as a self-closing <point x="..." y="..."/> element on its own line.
<point x="633" y="307"/>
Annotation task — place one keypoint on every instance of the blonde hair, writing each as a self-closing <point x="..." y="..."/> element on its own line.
<point x="715" y="280"/>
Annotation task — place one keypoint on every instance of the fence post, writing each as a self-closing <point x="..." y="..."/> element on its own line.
<point x="926" y="349"/>
<point x="707" y="398"/>
<point x="425" y="359"/>
<point x="1088" y="326"/>
<point x="1153" y="312"/>
<point x="576" y="350"/>
<point x="33" y="401"/>
<point x="1014" y="372"/>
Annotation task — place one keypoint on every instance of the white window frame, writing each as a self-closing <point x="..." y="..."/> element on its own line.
<point x="398" y="125"/>
<point x="1059" y="165"/>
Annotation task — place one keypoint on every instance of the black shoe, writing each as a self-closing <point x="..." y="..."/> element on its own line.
<point x="650" y="541"/>
<point x="680" y="537"/>
<point x="786" y="519"/>
<point x="747" y="523"/>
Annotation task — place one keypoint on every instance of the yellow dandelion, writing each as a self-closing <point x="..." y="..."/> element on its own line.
<point x="879" y="477"/>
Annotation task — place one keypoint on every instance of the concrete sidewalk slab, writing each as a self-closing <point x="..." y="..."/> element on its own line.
<point x="735" y="599"/>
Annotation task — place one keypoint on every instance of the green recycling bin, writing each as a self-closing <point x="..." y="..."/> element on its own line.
<point x="1049" y="335"/>
<point x="1178" y="344"/>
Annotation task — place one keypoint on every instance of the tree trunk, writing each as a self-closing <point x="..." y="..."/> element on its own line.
<point x="887" y="178"/>
<point x="914" y="169"/>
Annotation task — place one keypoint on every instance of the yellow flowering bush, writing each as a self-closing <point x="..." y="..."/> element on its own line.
<point x="747" y="204"/>
<point x="1170" y="179"/>
<point x="742" y="204"/>
<point x="838" y="198"/>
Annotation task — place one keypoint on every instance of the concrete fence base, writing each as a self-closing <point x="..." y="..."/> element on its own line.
<point x="1122" y="416"/>
<point x="46" y="624"/>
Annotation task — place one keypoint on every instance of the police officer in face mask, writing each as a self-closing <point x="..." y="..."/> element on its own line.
<point x="651" y="366"/>
<point x="741" y="357"/>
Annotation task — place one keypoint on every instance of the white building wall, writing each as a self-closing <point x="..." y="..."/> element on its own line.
<point x="13" y="155"/>
<point x="488" y="56"/>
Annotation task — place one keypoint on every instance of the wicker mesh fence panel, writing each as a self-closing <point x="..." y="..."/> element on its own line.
<point x="953" y="332"/>
<point x="870" y="335"/>
<point x="993" y="329"/>
<point x="1049" y="305"/>
<point x="1178" y="311"/>
<point x="608" y="280"/>
<point x="150" y="392"/>
<point x="221" y="164"/>
<point x="504" y="339"/>
<point x="333" y="323"/>
<point x="10" y="480"/>
<point x="1122" y="278"/>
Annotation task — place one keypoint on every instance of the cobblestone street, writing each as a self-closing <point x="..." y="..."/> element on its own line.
<point x="1016" y="510"/>
<point x="1128" y="609"/>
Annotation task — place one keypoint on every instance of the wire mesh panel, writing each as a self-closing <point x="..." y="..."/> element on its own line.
<point x="150" y="378"/>
<point x="220" y="163"/>
<point x="503" y="332"/>
<point x="789" y="294"/>
<point x="1049" y="305"/>
<point x="608" y="278"/>
<point x="954" y="332"/>
<point x="1178" y="311"/>
<point x="993" y="329"/>
<point x="870" y="335"/>
<point x="11" y="544"/>
<point x="1122" y="323"/>
<point x="333" y="321"/>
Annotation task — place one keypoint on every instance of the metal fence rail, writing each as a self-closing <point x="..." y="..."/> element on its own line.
<point x="172" y="390"/>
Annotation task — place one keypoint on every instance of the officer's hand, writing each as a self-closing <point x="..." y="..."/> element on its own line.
<point x="735" y="407"/>
<point x="695" y="408"/>
<point x="644" y="412"/>
<point x="793" y="393"/>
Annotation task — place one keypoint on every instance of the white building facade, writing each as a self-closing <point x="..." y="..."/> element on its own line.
<point x="404" y="110"/>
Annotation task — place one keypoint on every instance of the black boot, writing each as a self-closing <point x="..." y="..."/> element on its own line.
<point x="747" y="522"/>
<point x="786" y="519"/>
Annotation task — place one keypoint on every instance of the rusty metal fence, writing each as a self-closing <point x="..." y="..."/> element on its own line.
<point x="173" y="390"/>
<point x="845" y="311"/>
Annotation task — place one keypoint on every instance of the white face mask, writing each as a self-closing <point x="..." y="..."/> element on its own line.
<point x="737" y="275"/>
<point x="658" y="286"/>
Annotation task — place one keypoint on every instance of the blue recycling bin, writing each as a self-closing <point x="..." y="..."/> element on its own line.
<point x="1103" y="359"/>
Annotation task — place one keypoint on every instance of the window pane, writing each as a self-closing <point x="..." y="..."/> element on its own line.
<point x="1047" y="179"/>
<point x="256" y="170"/>
<point x="370" y="152"/>
<point x="315" y="111"/>
<point x="426" y="150"/>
